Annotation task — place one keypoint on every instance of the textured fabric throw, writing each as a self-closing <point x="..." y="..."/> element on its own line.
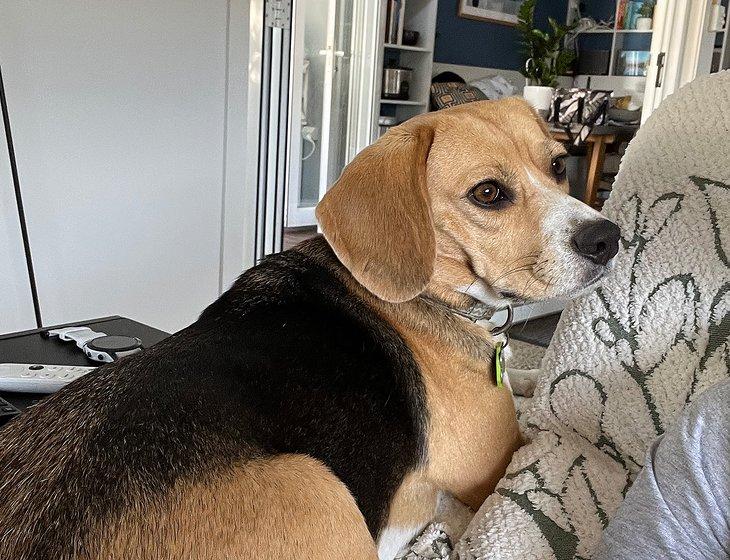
<point x="449" y="94"/>
<point x="626" y="359"/>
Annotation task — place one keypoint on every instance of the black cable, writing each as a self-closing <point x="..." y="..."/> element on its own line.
<point x="19" y="201"/>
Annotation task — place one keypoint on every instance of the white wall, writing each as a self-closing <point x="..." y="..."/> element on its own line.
<point x="119" y="120"/>
<point x="16" y="306"/>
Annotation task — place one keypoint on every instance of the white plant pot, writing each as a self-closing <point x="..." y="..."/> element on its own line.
<point x="643" y="23"/>
<point x="540" y="97"/>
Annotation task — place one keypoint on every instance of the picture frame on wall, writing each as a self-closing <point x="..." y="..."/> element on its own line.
<point x="494" y="11"/>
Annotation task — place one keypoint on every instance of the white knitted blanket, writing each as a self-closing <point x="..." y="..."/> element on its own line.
<point x="625" y="359"/>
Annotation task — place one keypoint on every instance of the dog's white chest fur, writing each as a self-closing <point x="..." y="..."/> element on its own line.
<point x="393" y="539"/>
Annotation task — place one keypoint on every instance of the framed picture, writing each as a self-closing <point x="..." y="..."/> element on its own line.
<point x="495" y="11"/>
<point x="634" y="63"/>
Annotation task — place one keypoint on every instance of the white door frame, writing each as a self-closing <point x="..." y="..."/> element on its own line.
<point x="367" y="29"/>
<point x="700" y="44"/>
<point x="329" y="73"/>
<point x="298" y="215"/>
<point x="270" y="151"/>
<point x="243" y="89"/>
<point x="669" y="62"/>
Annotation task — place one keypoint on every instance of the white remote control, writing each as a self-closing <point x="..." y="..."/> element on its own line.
<point x="38" y="378"/>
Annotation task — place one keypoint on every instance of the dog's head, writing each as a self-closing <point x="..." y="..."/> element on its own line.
<point x="468" y="202"/>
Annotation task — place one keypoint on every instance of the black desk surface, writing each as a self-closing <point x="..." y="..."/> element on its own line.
<point x="29" y="347"/>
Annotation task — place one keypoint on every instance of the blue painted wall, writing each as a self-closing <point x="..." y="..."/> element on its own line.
<point x="481" y="43"/>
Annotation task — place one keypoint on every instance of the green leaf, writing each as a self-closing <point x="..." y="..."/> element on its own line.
<point x="543" y="49"/>
<point x="554" y="25"/>
<point x="563" y="62"/>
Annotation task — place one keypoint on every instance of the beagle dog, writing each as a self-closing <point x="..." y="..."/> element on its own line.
<point x="321" y="405"/>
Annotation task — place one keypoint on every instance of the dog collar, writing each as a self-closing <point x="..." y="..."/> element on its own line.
<point x="477" y="312"/>
<point x="500" y="371"/>
<point x="507" y="324"/>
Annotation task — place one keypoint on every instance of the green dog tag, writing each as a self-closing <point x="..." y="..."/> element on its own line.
<point x="499" y="363"/>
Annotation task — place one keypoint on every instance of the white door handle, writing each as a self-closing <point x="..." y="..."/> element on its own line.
<point x="338" y="54"/>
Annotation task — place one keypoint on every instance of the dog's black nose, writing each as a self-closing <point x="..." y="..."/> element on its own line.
<point x="597" y="241"/>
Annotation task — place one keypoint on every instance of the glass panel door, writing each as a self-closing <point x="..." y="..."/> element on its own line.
<point x="337" y="81"/>
<point x="320" y="96"/>
<point x="313" y="111"/>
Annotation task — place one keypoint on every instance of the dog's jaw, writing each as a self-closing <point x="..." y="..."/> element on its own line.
<point x="483" y="293"/>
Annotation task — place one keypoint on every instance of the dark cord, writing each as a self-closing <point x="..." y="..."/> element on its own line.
<point x="19" y="201"/>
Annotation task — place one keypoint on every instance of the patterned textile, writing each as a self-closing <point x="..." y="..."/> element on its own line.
<point x="433" y="544"/>
<point x="625" y="359"/>
<point x="448" y="94"/>
<point x="581" y="106"/>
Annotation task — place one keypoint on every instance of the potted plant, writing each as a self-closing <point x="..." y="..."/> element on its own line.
<point x="644" y="21"/>
<point x="546" y="58"/>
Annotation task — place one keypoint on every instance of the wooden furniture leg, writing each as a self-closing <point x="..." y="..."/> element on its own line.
<point x="596" y="153"/>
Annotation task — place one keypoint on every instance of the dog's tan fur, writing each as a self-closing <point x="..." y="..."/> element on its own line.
<point x="289" y="506"/>
<point x="401" y="226"/>
<point x="473" y="429"/>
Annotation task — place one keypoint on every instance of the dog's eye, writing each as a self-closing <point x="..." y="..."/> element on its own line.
<point x="487" y="194"/>
<point x="558" y="167"/>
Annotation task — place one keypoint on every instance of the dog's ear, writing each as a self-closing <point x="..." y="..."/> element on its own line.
<point x="377" y="216"/>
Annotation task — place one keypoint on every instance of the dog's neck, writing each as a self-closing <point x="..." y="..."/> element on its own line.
<point x="456" y="285"/>
<point x="462" y="302"/>
<point x="436" y="315"/>
<point x="424" y="317"/>
<point x="418" y="316"/>
<point x="450" y="313"/>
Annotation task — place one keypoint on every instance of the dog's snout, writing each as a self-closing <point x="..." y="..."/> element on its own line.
<point x="597" y="241"/>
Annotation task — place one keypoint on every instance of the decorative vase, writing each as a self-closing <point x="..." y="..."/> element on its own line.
<point x="540" y="97"/>
<point x="643" y="24"/>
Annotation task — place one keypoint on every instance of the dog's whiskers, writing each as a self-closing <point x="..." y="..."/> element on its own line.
<point x="530" y="281"/>
<point x="524" y="268"/>
<point x="529" y="256"/>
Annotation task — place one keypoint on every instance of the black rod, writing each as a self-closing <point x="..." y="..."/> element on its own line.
<point x="19" y="201"/>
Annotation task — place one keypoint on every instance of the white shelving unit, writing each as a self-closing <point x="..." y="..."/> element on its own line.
<point x="617" y="40"/>
<point x="420" y="16"/>
<point x="403" y="102"/>
<point x="614" y="79"/>
<point x="406" y="48"/>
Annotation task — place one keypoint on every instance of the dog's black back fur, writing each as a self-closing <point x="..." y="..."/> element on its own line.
<point x="287" y="361"/>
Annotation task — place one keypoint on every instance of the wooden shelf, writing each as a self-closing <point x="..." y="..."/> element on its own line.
<point x="406" y="48"/>
<point x="402" y="102"/>
<point x="611" y="31"/>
